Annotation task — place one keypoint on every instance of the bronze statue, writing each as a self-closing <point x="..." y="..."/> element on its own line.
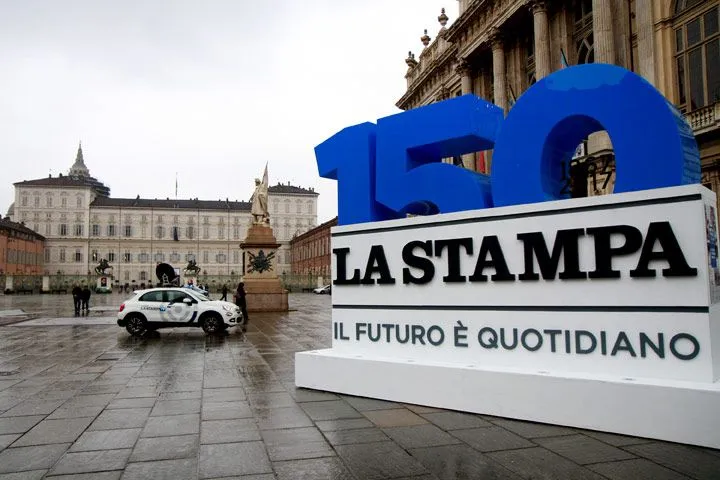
<point x="102" y="268"/>
<point x="192" y="268"/>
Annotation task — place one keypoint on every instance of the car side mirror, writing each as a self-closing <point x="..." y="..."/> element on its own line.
<point x="187" y="301"/>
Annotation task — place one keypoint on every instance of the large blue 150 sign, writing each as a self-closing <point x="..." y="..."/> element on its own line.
<point x="391" y="168"/>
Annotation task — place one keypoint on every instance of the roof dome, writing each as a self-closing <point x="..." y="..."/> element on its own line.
<point x="11" y="210"/>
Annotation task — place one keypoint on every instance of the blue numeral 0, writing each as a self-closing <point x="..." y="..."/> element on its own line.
<point x="654" y="146"/>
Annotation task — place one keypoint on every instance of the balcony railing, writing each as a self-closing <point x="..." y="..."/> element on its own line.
<point x="704" y="119"/>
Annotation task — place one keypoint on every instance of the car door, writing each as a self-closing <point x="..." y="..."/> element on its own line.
<point x="177" y="310"/>
<point x="150" y="305"/>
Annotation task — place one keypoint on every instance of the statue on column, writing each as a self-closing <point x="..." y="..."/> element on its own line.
<point x="259" y="208"/>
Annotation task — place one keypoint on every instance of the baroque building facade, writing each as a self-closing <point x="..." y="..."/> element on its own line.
<point x="83" y="224"/>
<point x="496" y="49"/>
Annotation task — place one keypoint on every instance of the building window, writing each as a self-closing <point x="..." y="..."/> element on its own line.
<point x="143" y="219"/>
<point x="79" y="230"/>
<point x="95" y="229"/>
<point x="111" y="230"/>
<point x="63" y="202"/>
<point x="221" y="232"/>
<point x="94" y="256"/>
<point x="159" y="257"/>
<point x="111" y="256"/>
<point x="287" y="206"/>
<point x="37" y="201"/>
<point x="159" y="231"/>
<point x="48" y="229"/>
<point x="174" y="257"/>
<point x="127" y="276"/>
<point x="48" y="202"/>
<point x="697" y="54"/>
<point x="62" y="255"/>
<point x="24" y="201"/>
<point x="206" y="233"/>
<point x="206" y="220"/>
<point x="159" y="219"/>
<point x="128" y="231"/>
<point x="190" y="232"/>
<point x="236" y="256"/>
<point x="206" y="256"/>
<point x="47" y="255"/>
<point x="236" y="233"/>
<point x="143" y="257"/>
<point x="221" y="258"/>
<point x="143" y="275"/>
<point x="79" y="202"/>
<point x="175" y="233"/>
<point x="78" y="255"/>
<point x="63" y="230"/>
<point x="299" y="206"/>
<point x="127" y="257"/>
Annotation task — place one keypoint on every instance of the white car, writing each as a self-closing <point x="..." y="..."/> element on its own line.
<point x="176" y="307"/>
<point x="324" y="290"/>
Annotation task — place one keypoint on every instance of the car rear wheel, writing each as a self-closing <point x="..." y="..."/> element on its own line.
<point x="212" y="324"/>
<point x="136" y="325"/>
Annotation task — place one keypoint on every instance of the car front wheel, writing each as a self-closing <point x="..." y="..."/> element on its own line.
<point x="212" y="324"/>
<point x="136" y="325"/>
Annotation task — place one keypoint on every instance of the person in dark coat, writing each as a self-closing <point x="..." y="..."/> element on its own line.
<point x="86" y="298"/>
<point x="77" y="298"/>
<point x="240" y="301"/>
<point x="224" y="293"/>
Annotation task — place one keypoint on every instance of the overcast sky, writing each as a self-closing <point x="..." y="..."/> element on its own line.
<point x="209" y="89"/>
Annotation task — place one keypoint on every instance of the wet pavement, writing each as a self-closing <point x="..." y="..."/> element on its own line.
<point x="80" y="398"/>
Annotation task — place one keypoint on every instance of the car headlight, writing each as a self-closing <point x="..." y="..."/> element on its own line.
<point x="227" y="308"/>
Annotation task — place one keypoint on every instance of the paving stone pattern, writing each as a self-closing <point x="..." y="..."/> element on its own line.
<point x="89" y="401"/>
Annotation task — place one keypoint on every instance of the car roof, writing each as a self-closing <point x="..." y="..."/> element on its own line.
<point x="161" y="289"/>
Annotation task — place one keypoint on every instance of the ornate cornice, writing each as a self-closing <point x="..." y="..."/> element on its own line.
<point x="429" y="71"/>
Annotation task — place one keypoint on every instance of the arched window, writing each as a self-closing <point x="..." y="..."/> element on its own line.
<point x="583" y="32"/>
<point x="697" y="53"/>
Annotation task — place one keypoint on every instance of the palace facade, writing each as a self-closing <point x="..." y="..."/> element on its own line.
<point x="83" y="224"/>
<point x="496" y="49"/>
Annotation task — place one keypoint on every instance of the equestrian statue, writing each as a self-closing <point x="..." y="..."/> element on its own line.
<point x="103" y="267"/>
<point x="192" y="268"/>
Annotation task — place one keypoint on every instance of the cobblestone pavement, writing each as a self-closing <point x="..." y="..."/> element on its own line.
<point x="89" y="401"/>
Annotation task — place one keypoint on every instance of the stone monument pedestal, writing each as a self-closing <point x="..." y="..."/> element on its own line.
<point x="265" y="292"/>
<point x="103" y="284"/>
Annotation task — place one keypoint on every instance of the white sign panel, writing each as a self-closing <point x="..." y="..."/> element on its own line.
<point x="621" y="289"/>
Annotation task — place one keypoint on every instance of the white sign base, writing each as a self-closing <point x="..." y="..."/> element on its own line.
<point x="600" y="313"/>
<point x="685" y="412"/>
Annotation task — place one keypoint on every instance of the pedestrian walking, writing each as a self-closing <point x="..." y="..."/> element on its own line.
<point x="86" y="298"/>
<point x="224" y="293"/>
<point x="77" y="297"/>
<point x="241" y="302"/>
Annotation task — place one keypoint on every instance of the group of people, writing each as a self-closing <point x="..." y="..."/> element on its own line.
<point x="240" y="300"/>
<point x="81" y="298"/>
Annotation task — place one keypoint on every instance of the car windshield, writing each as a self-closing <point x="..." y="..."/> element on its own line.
<point x="200" y="296"/>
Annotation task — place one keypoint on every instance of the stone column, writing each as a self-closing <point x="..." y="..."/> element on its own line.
<point x="604" y="41"/>
<point x="645" y="39"/>
<point x="604" y="48"/>
<point x="466" y="87"/>
<point x="500" y="83"/>
<point x="542" y="38"/>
